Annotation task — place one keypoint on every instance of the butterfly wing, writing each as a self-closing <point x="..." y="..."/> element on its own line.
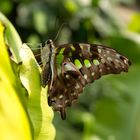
<point x="77" y="65"/>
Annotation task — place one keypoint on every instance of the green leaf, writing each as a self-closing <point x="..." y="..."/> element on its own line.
<point x="13" y="116"/>
<point x="11" y="37"/>
<point x="33" y="116"/>
<point x="40" y="113"/>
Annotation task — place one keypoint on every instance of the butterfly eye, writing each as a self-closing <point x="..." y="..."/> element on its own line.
<point x="49" y="41"/>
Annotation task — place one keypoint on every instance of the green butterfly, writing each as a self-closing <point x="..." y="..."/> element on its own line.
<point x="68" y="68"/>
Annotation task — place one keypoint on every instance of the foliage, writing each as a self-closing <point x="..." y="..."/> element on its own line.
<point x="10" y="101"/>
<point x="30" y="117"/>
<point x="109" y="108"/>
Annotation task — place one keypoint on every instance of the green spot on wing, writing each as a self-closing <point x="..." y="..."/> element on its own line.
<point x="59" y="59"/>
<point x="87" y="63"/>
<point x="61" y="51"/>
<point x="72" y="47"/>
<point x="96" y="62"/>
<point x="78" y="63"/>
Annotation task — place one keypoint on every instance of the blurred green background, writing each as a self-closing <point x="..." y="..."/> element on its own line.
<point x="109" y="109"/>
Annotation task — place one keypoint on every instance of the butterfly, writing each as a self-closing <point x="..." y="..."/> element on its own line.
<point x="68" y="68"/>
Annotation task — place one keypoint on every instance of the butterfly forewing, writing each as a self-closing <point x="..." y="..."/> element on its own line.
<point x="93" y="60"/>
<point x="76" y="65"/>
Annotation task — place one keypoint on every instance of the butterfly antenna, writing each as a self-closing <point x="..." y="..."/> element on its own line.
<point x="59" y="30"/>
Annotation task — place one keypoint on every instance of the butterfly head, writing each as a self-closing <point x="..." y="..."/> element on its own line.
<point x="49" y="41"/>
<point x="50" y="44"/>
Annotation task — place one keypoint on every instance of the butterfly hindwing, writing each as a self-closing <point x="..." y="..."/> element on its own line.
<point x="76" y="65"/>
<point x="66" y="87"/>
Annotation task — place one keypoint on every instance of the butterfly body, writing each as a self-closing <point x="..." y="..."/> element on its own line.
<point x="68" y="68"/>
